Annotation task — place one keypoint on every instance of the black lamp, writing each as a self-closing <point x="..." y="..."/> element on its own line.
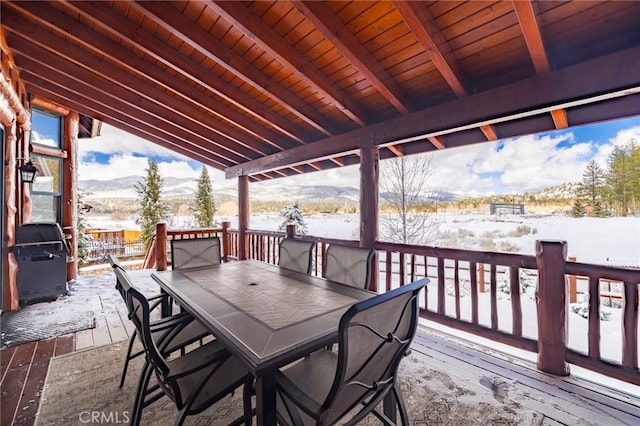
<point x="28" y="172"/>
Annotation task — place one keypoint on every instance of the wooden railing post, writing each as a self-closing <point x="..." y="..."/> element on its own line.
<point x="291" y="230"/>
<point x="551" y="298"/>
<point x="226" y="240"/>
<point x="573" y="285"/>
<point x="161" y="246"/>
<point x="481" y="277"/>
<point x="243" y="217"/>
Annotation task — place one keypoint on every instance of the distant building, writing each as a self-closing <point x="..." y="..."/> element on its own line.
<point x="506" y="208"/>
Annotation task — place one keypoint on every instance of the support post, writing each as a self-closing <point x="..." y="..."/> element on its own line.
<point x="243" y="216"/>
<point x="161" y="246"/>
<point x="226" y="240"/>
<point x="70" y="190"/>
<point x="291" y="230"/>
<point x="369" y="177"/>
<point x="573" y="285"/>
<point x="552" y="305"/>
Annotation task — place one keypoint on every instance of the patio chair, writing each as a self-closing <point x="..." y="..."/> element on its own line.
<point x="374" y="336"/>
<point x="349" y="265"/>
<point x="191" y="331"/>
<point x="296" y="255"/>
<point x="193" y="381"/>
<point x="195" y="252"/>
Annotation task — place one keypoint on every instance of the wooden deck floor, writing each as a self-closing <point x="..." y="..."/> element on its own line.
<point x="565" y="401"/>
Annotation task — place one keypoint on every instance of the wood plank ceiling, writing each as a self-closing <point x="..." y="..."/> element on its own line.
<point x="276" y="88"/>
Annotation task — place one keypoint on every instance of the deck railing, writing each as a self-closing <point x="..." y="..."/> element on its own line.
<point x="483" y="276"/>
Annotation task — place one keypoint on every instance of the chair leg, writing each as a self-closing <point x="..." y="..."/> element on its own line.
<point x="181" y="416"/>
<point x="404" y="418"/>
<point x="126" y="360"/>
<point x="145" y="376"/>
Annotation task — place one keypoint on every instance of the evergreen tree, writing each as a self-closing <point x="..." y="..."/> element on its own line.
<point x="623" y="177"/>
<point x="592" y="187"/>
<point x="293" y="216"/>
<point x="578" y="209"/>
<point x="205" y="207"/>
<point x="152" y="210"/>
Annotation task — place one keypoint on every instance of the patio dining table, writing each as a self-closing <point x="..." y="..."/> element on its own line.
<point x="265" y="315"/>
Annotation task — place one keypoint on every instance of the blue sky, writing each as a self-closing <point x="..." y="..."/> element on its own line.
<point x="505" y="166"/>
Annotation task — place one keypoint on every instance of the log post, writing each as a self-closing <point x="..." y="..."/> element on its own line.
<point x="573" y="285"/>
<point x="226" y="240"/>
<point x="369" y="177"/>
<point x="243" y="216"/>
<point x="161" y="246"/>
<point x="70" y="190"/>
<point x="291" y="230"/>
<point x="551" y="299"/>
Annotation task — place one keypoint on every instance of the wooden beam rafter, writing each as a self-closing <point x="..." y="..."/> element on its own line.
<point x="350" y="47"/>
<point x="168" y="18"/>
<point x="253" y="27"/>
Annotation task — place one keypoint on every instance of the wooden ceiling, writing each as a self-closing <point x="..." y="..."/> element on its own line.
<point x="277" y="88"/>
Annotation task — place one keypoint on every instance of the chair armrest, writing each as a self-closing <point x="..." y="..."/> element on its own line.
<point x="206" y="356"/>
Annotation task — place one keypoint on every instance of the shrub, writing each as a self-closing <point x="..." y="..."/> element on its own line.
<point x="581" y="307"/>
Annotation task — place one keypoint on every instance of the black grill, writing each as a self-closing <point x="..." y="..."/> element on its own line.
<point x="41" y="251"/>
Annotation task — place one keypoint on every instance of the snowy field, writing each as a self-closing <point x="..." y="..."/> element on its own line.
<point x="612" y="241"/>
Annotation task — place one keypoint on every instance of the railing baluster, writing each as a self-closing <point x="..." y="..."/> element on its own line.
<point x="494" y="297"/>
<point x="630" y="326"/>
<point x="401" y="268"/>
<point x="413" y="267"/>
<point x="441" y="287"/>
<point x="389" y="270"/>
<point x="516" y="304"/>
<point x="594" y="317"/>
<point x="456" y="284"/>
<point x="473" y="278"/>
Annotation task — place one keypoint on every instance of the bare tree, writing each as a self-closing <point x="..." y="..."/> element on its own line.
<point x="407" y="210"/>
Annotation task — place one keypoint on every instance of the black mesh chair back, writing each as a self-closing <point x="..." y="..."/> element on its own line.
<point x="113" y="261"/>
<point x="195" y="252"/>
<point x="374" y="336"/>
<point x="193" y="381"/>
<point x="296" y="255"/>
<point x="349" y="265"/>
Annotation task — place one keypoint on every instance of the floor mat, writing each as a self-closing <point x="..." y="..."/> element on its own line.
<point x="39" y="322"/>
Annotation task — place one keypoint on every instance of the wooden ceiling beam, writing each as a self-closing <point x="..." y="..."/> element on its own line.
<point x="100" y="16"/>
<point x="34" y="58"/>
<point x="126" y="113"/>
<point x="532" y="35"/>
<point x="316" y="165"/>
<point x="350" y="47"/>
<point x="169" y="18"/>
<point x="253" y="27"/>
<point x="437" y="142"/>
<point x="62" y="75"/>
<point x="117" y="119"/>
<point x="560" y="118"/>
<point x="605" y="77"/>
<point x="489" y="132"/>
<point x="533" y="39"/>
<point x="19" y="20"/>
<point x="428" y="35"/>
<point x="396" y="150"/>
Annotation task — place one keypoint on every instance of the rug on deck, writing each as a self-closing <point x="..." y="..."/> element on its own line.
<point x="40" y="322"/>
<point x="80" y="384"/>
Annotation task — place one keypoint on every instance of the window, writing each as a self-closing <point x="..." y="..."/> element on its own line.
<point x="46" y="128"/>
<point x="46" y="191"/>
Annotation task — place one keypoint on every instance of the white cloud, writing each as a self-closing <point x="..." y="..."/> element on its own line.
<point x="512" y="165"/>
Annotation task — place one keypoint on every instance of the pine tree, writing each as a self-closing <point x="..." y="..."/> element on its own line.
<point x="578" y="209"/>
<point x="592" y="187"/>
<point x="152" y="210"/>
<point x="293" y="216"/>
<point x="623" y="177"/>
<point x="205" y="207"/>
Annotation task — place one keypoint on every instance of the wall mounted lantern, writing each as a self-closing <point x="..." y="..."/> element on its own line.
<point x="28" y="172"/>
